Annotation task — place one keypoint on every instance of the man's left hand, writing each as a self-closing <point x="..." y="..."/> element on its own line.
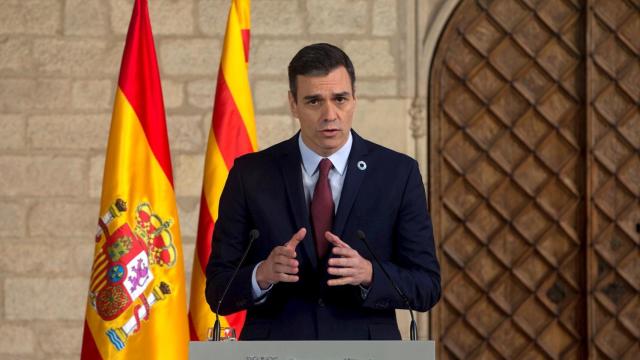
<point x="348" y="266"/>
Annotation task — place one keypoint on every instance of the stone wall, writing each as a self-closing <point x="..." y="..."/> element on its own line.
<point x="59" y="63"/>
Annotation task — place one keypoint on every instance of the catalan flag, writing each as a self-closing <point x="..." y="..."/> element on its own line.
<point x="232" y="134"/>
<point x="137" y="306"/>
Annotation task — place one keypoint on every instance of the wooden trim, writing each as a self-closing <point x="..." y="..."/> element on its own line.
<point x="588" y="311"/>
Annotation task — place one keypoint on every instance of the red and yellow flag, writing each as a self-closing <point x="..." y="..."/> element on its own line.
<point x="233" y="133"/>
<point x="137" y="298"/>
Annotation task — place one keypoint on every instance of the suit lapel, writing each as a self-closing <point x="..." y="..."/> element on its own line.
<point x="292" y="174"/>
<point x="351" y="186"/>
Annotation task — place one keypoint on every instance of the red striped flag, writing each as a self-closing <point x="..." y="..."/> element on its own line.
<point x="232" y="134"/>
<point x="136" y="307"/>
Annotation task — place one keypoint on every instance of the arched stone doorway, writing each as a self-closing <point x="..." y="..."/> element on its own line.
<point x="534" y="166"/>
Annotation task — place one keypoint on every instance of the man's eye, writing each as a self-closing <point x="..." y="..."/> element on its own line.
<point x="312" y="102"/>
<point x="341" y="99"/>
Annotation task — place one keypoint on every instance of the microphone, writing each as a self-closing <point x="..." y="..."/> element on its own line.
<point x="414" y="328"/>
<point x="253" y="234"/>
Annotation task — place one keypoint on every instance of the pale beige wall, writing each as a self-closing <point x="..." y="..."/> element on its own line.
<point x="59" y="62"/>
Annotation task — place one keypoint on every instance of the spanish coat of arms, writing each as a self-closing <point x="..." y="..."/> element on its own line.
<point x="123" y="267"/>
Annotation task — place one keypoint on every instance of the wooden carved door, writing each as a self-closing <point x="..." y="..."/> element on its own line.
<point x="535" y="179"/>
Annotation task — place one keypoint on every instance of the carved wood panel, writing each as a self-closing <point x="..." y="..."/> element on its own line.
<point x="534" y="191"/>
<point x="614" y="178"/>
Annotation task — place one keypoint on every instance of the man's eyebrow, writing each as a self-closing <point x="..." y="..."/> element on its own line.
<point x="335" y="95"/>
<point x="312" y="97"/>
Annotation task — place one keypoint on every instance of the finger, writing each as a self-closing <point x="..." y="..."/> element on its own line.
<point x="283" y="269"/>
<point x="287" y="278"/>
<point x="296" y="239"/>
<point x="346" y="252"/>
<point x="283" y="251"/>
<point x="341" y="281"/>
<point x="286" y="261"/>
<point x="342" y="262"/>
<point x="335" y="240"/>
<point x="342" y="272"/>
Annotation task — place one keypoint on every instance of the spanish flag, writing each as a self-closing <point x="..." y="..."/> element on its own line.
<point x="136" y="306"/>
<point x="233" y="133"/>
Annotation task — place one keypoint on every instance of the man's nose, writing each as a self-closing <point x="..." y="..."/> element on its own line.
<point x="330" y="113"/>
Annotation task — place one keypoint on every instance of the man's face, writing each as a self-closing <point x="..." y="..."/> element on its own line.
<point x="324" y="105"/>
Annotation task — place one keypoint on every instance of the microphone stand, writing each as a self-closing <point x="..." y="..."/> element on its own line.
<point x="253" y="234"/>
<point x="413" y="331"/>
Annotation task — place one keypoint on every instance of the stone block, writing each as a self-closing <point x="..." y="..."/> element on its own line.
<point x="78" y="57"/>
<point x="276" y="17"/>
<point x="69" y="131"/>
<point x="271" y="57"/>
<point x="12" y="131"/>
<point x="96" y="172"/>
<point x="45" y="298"/>
<point x="41" y="175"/>
<point x="384" y="17"/>
<point x="63" y="219"/>
<point x="200" y="93"/>
<point x="212" y="16"/>
<point x="67" y="339"/>
<point x="27" y="95"/>
<point x="19" y="258"/>
<point x="15" y="54"/>
<point x="185" y="133"/>
<point x="83" y="252"/>
<point x="385" y="122"/>
<point x="17" y="340"/>
<point x="372" y="88"/>
<point x="190" y="56"/>
<point x="273" y="129"/>
<point x="371" y="57"/>
<point x="168" y="17"/>
<point x="188" y="251"/>
<point x="86" y="17"/>
<point x="173" y="93"/>
<point x="188" y="175"/>
<point x="337" y="17"/>
<point x="189" y="211"/>
<point x="13" y="218"/>
<point x="93" y="94"/>
<point x="271" y="95"/>
<point x="38" y="17"/>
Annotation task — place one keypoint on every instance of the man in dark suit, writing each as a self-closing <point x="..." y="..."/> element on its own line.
<point x="321" y="188"/>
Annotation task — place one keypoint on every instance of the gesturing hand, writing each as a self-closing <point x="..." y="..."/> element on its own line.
<point x="281" y="264"/>
<point x="349" y="266"/>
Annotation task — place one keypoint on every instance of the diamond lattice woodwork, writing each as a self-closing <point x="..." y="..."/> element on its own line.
<point x="535" y="191"/>
<point x="614" y="178"/>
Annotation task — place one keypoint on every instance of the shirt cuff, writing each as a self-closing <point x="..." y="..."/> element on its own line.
<point x="258" y="293"/>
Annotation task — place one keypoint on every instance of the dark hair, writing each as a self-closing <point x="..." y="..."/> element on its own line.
<point x="316" y="60"/>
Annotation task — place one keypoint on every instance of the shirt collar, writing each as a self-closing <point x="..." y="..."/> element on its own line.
<point x="310" y="159"/>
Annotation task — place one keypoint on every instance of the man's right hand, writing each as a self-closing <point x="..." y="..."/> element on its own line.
<point x="281" y="265"/>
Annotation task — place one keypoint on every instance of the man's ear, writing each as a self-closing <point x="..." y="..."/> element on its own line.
<point x="293" y="105"/>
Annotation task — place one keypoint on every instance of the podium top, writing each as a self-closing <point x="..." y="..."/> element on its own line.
<point x="312" y="350"/>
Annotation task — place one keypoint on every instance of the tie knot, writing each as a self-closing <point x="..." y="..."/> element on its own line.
<point x="325" y="166"/>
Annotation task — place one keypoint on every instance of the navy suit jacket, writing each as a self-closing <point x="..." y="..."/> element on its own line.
<point x="386" y="200"/>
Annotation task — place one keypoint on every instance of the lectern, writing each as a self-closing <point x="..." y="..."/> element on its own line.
<point x="311" y="350"/>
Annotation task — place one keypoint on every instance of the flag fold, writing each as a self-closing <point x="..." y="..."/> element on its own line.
<point x="232" y="134"/>
<point x="136" y="306"/>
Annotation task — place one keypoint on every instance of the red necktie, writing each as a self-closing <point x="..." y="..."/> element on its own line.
<point x="322" y="208"/>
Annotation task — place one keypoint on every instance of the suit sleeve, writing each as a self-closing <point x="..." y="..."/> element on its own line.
<point x="229" y="241"/>
<point x="413" y="266"/>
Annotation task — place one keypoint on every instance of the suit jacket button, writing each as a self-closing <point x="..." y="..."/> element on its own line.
<point x="320" y="302"/>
